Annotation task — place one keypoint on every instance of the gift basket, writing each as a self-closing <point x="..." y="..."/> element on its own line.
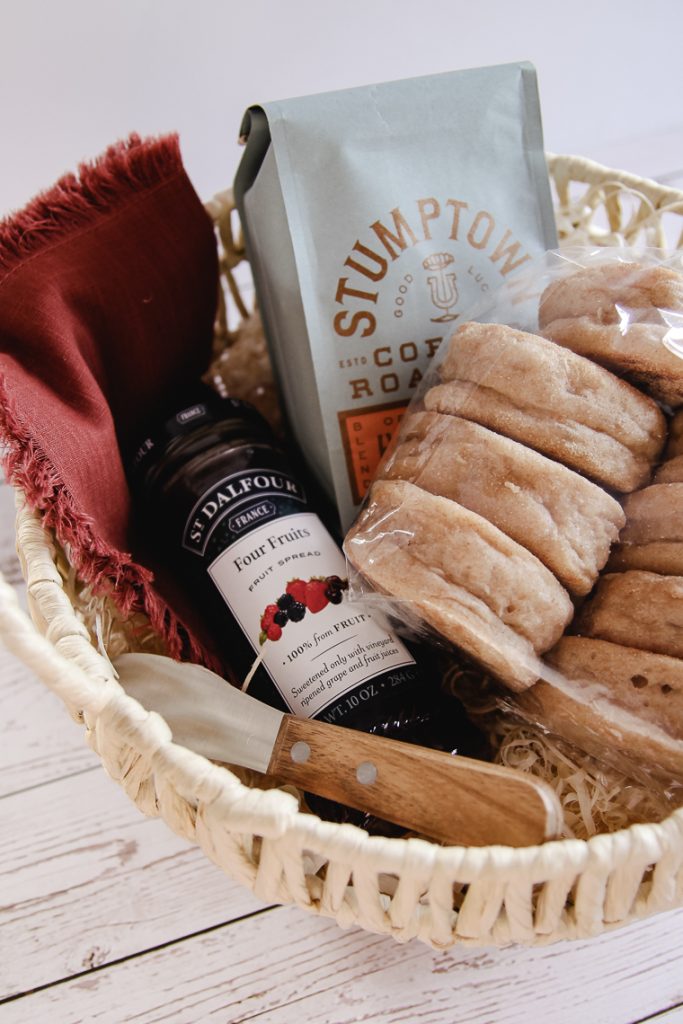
<point x="406" y="887"/>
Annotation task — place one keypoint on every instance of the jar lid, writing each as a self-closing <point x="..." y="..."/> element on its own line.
<point x="208" y="407"/>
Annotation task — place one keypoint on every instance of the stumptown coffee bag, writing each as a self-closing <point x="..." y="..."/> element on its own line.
<point x="374" y="217"/>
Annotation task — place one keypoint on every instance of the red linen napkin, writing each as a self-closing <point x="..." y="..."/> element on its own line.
<point x="108" y="287"/>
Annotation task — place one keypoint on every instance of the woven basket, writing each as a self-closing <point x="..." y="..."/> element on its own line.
<point x="407" y="888"/>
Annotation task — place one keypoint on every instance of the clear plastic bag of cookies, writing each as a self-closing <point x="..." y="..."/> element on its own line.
<point x="530" y="511"/>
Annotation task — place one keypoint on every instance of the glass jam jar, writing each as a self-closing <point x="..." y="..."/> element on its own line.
<point x="218" y="496"/>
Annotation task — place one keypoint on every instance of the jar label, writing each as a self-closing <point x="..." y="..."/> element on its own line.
<point x="235" y="504"/>
<point x="321" y="652"/>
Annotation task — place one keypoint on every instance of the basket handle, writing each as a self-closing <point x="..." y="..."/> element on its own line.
<point x="55" y="645"/>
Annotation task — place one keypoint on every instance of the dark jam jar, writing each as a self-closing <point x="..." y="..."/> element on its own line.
<point x="218" y="495"/>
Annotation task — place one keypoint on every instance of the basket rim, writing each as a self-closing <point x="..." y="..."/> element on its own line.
<point x="97" y="697"/>
<point x="566" y="167"/>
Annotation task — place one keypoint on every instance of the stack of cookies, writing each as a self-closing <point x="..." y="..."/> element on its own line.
<point x="616" y="689"/>
<point x="619" y="683"/>
<point x="508" y="492"/>
<point x="491" y="511"/>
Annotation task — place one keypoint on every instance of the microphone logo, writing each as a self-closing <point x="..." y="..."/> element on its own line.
<point x="442" y="286"/>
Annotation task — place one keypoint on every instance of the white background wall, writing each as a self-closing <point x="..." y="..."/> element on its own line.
<point x="77" y="74"/>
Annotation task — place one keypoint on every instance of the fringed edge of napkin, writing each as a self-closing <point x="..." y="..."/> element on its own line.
<point x="122" y="172"/>
<point x="98" y="187"/>
<point x="108" y="571"/>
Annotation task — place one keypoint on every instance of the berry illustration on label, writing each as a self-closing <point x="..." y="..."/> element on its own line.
<point x="299" y="597"/>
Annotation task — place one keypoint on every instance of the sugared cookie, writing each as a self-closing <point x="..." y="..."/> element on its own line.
<point x="609" y="733"/>
<point x="549" y="398"/>
<point x="468" y="580"/>
<point x="618" y="703"/>
<point x="638" y="352"/>
<point x="636" y="609"/>
<point x="646" y="684"/>
<point x="670" y="472"/>
<point x="653" y="536"/>
<point x="611" y="313"/>
<point x="608" y="292"/>
<point x="662" y="557"/>
<point x="565" y="520"/>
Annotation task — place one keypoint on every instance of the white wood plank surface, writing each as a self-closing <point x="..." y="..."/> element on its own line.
<point x="674" y="1016"/>
<point x="9" y="563"/>
<point x="284" y="966"/>
<point x="38" y="740"/>
<point x="86" y="879"/>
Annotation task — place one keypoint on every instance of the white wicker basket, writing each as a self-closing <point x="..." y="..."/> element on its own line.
<point x="406" y="888"/>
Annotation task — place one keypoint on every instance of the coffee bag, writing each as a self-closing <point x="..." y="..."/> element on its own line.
<point x="373" y="218"/>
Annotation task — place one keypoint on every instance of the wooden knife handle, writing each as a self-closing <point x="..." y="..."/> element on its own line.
<point x="453" y="799"/>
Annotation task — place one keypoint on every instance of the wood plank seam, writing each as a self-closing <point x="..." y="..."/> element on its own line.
<point x="98" y="968"/>
<point x="48" y="782"/>
<point x="659" y="1015"/>
<point x="417" y="1008"/>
